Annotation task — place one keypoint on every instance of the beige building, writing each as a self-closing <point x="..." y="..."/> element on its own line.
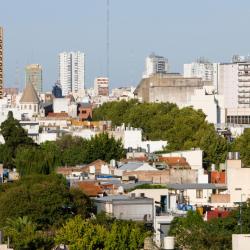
<point x="33" y="74"/>
<point x="172" y="88"/>
<point x="29" y="102"/>
<point x="1" y="62"/>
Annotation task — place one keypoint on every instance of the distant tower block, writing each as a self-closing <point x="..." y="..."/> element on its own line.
<point x="33" y="74"/>
<point x="1" y="62"/>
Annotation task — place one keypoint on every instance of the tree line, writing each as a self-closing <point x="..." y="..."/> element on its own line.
<point x="192" y="232"/>
<point x="41" y="211"/>
<point x="20" y="152"/>
<point x="183" y="128"/>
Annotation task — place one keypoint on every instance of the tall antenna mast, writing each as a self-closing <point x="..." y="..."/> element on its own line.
<point x="107" y="42"/>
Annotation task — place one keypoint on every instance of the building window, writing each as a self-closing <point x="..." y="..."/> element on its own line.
<point x="199" y="193"/>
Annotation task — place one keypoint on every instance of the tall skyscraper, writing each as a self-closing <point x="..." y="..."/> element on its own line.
<point x="71" y="72"/>
<point x="155" y="64"/>
<point x="1" y="62"/>
<point x="33" y="74"/>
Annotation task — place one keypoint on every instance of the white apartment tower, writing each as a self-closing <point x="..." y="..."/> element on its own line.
<point x="234" y="82"/>
<point x="155" y="64"/>
<point x="71" y="72"/>
<point x="204" y="69"/>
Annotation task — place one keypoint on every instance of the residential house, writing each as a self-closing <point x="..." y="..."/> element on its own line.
<point x="126" y="208"/>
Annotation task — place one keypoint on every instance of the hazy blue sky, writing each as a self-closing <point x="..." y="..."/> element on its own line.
<point x="181" y="30"/>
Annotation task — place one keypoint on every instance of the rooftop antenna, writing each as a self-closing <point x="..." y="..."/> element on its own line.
<point x="107" y="34"/>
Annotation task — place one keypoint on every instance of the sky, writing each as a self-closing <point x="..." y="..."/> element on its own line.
<point x="181" y="30"/>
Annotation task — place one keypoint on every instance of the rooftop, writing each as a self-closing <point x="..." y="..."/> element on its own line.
<point x="29" y="95"/>
<point x="179" y="186"/>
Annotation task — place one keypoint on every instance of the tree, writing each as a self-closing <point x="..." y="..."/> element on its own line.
<point x="182" y="128"/>
<point x="47" y="201"/>
<point x="72" y="150"/>
<point x="131" y="236"/>
<point x="14" y="136"/>
<point x="23" y="234"/>
<point x="242" y="145"/>
<point x="81" y="234"/>
<point x="103" y="147"/>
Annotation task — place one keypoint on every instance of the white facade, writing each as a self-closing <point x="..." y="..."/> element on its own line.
<point x="210" y="103"/>
<point x="237" y="181"/>
<point x="155" y="64"/>
<point x="228" y="84"/>
<point x="43" y="137"/>
<point x="61" y="105"/>
<point x="193" y="157"/>
<point x="234" y="83"/>
<point x="240" y="241"/>
<point x="71" y="72"/>
<point x="202" y="69"/>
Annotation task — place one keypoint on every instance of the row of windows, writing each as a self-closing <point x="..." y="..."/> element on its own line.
<point x="25" y="107"/>
<point x="238" y="119"/>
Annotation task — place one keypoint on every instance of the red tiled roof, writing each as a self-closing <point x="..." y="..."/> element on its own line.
<point x="60" y="115"/>
<point x="92" y="189"/>
<point x="175" y="161"/>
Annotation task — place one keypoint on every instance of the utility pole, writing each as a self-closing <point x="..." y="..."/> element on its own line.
<point x="107" y="37"/>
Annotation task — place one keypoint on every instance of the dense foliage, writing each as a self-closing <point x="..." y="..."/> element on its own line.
<point x="87" y="234"/>
<point x="45" y="199"/>
<point x="183" y="128"/>
<point x="242" y="145"/>
<point x="15" y="136"/>
<point x="192" y="232"/>
<point x="21" y="152"/>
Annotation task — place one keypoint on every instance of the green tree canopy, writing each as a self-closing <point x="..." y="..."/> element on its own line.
<point x="183" y="128"/>
<point x="242" y="145"/>
<point x="14" y="136"/>
<point x="23" y="234"/>
<point x="192" y="232"/>
<point x="47" y="200"/>
<point x="91" y="234"/>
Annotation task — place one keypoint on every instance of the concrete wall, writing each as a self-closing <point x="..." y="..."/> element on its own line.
<point x="166" y="176"/>
<point x="136" y="211"/>
<point x="168" y="88"/>
<point x="237" y="181"/>
<point x="240" y="241"/>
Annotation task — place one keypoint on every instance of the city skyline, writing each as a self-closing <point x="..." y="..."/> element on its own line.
<point x="181" y="36"/>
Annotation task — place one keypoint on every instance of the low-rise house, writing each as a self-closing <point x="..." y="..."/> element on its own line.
<point x="134" y="166"/>
<point x="164" y="176"/>
<point x="194" y="157"/>
<point x="98" y="167"/>
<point x="91" y="189"/>
<point x="126" y="208"/>
<point x="237" y="179"/>
<point x="196" y="194"/>
<point x="175" y="162"/>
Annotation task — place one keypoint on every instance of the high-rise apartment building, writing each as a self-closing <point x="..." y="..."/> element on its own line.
<point x="101" y="86"/>
<point x="71" y="72"/>
<point x="33" y="74"/>
<point x="155" y="64"/>
<point x="234" y="82"/>
<point x="202" y="68"/>
<point x="1" y="62"/>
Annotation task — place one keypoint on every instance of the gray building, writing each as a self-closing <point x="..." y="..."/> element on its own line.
<point x="172" y="88"/>
<point x="126" y="208"/>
